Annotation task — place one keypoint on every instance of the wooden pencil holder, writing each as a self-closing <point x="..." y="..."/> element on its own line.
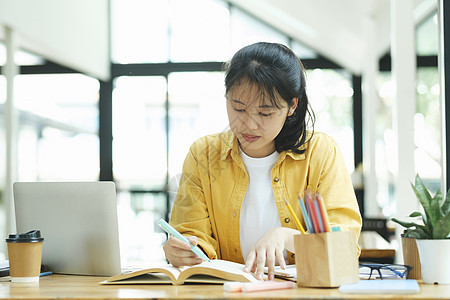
<point x="327" y="259"/>
<point x="411" y="257"/>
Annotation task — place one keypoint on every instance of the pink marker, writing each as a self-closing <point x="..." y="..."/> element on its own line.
<point x="249" y="287"/>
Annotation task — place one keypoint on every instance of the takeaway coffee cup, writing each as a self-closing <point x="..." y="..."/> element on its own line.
<point x="25" y="253"/>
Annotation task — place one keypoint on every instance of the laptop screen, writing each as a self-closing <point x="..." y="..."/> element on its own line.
<point x="78" y="221"/>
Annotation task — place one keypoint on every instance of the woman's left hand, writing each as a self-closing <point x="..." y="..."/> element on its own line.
<point x="268" y="250"/>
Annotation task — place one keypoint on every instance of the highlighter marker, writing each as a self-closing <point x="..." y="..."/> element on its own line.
<point x="232" y="287"/>
<point x="169" y="229"/>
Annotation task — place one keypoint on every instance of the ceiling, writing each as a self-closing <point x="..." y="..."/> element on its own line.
<point x="336" y="29"/>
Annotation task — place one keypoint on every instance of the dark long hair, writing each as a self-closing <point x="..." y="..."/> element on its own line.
<point x="279" y="73"/>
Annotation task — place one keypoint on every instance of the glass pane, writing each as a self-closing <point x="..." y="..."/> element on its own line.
<point x="22" y="58"/>
<point x="199" y="31"/>
<point x="197" y="108"/>
<point x="427" y="127"/>
<point x="246" y="30"/>
<point x="2" y="90"/>
<point x="427" y="37"/>
<point x="139" y="131"/>
<point x="65" y="99"/>
<point x="139" y="31"/>
<point x="2" y="152"/>
<point x="303" y="51"/>
<point x="58" y="137"/>
<point x="385" y="162"/>
<point x="141" y="239"/>
<point x="53" y="154"/>
<point x="427" y="136"/>
<point x="330" y="93"/>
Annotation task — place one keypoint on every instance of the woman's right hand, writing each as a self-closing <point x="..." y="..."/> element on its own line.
<point x="179" y="253"/>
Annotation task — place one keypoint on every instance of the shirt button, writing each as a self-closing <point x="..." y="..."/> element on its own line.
<point x="287" y="220"/>
<point x="235" y="250"/>
<point x="276" y="179"/>
<point x="234" y="214"/>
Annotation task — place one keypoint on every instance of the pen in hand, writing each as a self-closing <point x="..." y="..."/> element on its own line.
<point x="169" y="229"/>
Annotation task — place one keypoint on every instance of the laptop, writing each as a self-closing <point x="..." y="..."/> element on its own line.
<point x="78" y="221"/>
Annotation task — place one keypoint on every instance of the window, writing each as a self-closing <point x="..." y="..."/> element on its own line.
<point x="427" y="122"/>
<point x="330" y="93"/>
<point x="140" y="31"/>
<point x="196" y="108"/>
<point x="427" y="39"/>
<point x="427" y="127"/>
<point x="22" y="57"/>
<point x="58" y="137"/>
<point x="139" y="132"/>
<point x="199" y="31"/>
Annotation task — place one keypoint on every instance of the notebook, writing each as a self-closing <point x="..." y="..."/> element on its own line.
<point x="385" y="286"/>
<point x="78" y="221"/>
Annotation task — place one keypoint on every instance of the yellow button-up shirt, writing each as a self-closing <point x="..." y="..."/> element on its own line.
<point x="214" y="182"/>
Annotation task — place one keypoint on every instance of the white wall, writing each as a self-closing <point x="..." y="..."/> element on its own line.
<point x="73" y="33"/>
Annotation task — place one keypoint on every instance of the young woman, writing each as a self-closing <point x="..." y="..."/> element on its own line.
<point x="230" y="201"/>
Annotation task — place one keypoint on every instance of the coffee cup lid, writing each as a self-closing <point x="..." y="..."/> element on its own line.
<point x="32" y="236"/>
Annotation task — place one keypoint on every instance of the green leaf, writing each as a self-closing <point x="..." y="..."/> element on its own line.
<point x="430" y="205"/>
<point x="413" y="234"/>
<point x="445" y="208"/>
<point x="424" y="232"/>
<point x="416" y="214"/>
<point x="428" y="230"/>
<point x="417" y="233"/>
<point x="422" y="194"/>
<point x="435" y="208"/>
<point x="442" y="228"/>
<point x="405" y="224"/>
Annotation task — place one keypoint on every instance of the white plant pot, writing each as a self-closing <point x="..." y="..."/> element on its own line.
<point x="434" y="260"/>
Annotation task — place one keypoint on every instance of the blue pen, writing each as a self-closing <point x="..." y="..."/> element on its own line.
<point x="45" y="274"/>
<point x="169" y="229"/>
<point x="305" y="214"/>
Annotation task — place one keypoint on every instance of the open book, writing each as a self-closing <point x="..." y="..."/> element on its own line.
<point x="216" y="271"/>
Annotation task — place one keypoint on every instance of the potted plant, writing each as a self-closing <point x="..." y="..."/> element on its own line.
<point x="432" y="233"/>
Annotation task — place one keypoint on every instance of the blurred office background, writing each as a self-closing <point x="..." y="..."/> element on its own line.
<point x="118" y="90"/>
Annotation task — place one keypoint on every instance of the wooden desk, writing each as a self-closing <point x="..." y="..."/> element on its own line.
<point x="87" y="287"/>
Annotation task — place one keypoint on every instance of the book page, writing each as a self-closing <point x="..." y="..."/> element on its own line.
<point x="224" y="270"/>
<point x="289" y="272"/>
<point x="168" y="270"/>
<point x="147" y="278"/>
<point x="216" y="271"/>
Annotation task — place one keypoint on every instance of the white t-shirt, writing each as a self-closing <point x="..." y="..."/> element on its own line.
<point x="259" y="211"/>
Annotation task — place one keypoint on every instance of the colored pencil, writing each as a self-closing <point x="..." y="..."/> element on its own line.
<point x="318" y="215"/>
<point x="305" y="214"/>
<point x="323" y="210"/>
<point x="294" y="216"/>
<point x="308" y="208"/>
<point x="312" y="213"/>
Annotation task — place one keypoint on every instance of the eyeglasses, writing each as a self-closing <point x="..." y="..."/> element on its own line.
<point x="385" y="271"/>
